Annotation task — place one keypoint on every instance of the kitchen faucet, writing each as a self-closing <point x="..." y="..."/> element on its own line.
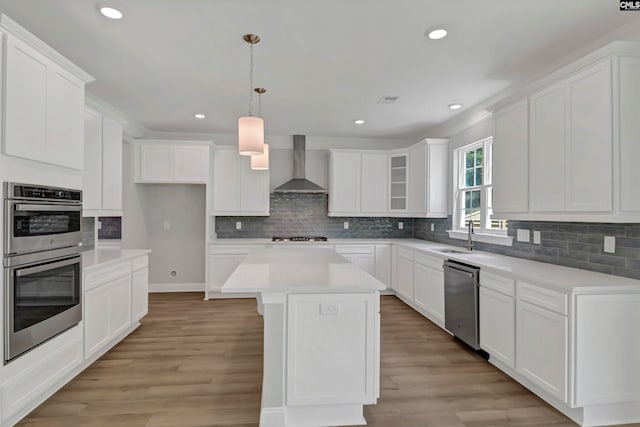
<point x="469" y="241"/>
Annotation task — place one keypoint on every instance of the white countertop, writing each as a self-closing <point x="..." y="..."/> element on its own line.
<point x="310" y="270"/>
<point x="553" y="276"/>
<point x="100" y="257"/>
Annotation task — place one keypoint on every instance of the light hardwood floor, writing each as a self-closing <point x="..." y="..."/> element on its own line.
<point x="195" y="363"/>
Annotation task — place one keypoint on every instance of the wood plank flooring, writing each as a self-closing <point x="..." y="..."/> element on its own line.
<point x="195" y="363"/>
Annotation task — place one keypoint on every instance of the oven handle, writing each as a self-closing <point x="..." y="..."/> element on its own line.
<point x="40" y="268"/>
<point x="47" y="208"/>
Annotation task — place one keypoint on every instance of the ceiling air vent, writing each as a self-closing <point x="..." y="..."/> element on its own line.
<point x="388" y="100"/>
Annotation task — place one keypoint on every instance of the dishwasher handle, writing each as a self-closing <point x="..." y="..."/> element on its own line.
<point x="468" y="271"/>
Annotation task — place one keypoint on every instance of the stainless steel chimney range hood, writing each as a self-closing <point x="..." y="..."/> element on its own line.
<point x="299" y="183"/>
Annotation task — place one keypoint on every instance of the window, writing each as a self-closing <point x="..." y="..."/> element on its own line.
<point x="473" y="191"/>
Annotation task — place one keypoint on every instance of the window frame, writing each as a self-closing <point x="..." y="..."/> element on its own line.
<point x="459" y="175"/>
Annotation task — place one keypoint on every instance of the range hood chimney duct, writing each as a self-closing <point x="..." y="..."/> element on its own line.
<point x="299" y="183"/>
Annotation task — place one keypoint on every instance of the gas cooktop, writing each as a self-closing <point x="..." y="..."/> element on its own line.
<point x="299" y="239"/>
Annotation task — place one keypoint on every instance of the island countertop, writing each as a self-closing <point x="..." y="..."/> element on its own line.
<point x="308" y="270"/>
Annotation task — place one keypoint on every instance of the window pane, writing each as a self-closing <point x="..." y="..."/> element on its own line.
<point x="467" y="199"/>
<point x="475" y="199"/>
<point x="469" y="178"/>
<point x="479" y="156"/>
<point x="470" y="159"/>
<point x="479" y="175"/>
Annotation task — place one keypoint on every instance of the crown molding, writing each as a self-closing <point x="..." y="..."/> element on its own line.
<point x="17" y="30"/>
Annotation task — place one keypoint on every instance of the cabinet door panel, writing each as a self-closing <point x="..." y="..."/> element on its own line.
<point x="65" y="124"/>
<point x="405" y="278"/>
<point x="589" y="143"/>
<point x="254" y="184"/>
<point x="544" y="364"/>
<point x="226" y="182"/>
<point x="547" y="174"/>
<point x="383" y="264"/>
<point x="398" y="182"/>
<point x="25" y="110"/>
<point x="420" y="279"/>
<point x="155" y="163"/>
<point x="345" y="182"/>
<point x="629" y="134"/>
<point x="510" y="174"/>
<point x="374" y="183"/>
<point x="497" y="326"/>
<point x="418" y="180"/>
<point x="96" y="319"/>
<point x="140" y="293"/>
<point x="435" y="294"/>
<point x="190" y="164"/>
<point x="92" y="176"/>
<point x="437" y="195"/>
<point x="111" y="164"/>
<point x="120" y="305"/>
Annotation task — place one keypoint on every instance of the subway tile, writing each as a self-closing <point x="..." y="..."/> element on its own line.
<point x="633" y="232"/>
<point x="632" y="274"/>
<point x="573" y="255"/>
<point x="596" y="267"/>
<point x="633" y="264"/>
<point x="631" y="253"/>
<point x="607" y="230"/>
<point x="628" y="242"/>
<point x="573" y="228"/>
<point x="591" y="238"/>
<point x="560" y="244"/>
<point x="568" y="237"/>
<point x="584" y="247"/>
<point x="613" y="261"/>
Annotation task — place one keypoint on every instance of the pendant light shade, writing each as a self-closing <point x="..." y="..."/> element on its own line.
<point x="250" y="135"/>
<point x="261" y="161"/>
<point x="251" y="128"/>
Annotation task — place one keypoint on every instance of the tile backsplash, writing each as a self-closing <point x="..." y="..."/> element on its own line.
<point x="294" y="214"/>
<point x="570" y="244"/>
<point x="110" y="228"/>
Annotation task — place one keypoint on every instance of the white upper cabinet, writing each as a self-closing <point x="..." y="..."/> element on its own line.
<point x="402" y="183"/>
<point x="237" y="189"/>
<point x="172" y="162"/>
<point x="43" y="101"/>
<point x="102" y="178"/>
<point x="511" y="159"/>
<point x="344" y="183"/>
<point x="373" y="197"/>
<point x="571" y="143"/>
<point x="629" y="173"/>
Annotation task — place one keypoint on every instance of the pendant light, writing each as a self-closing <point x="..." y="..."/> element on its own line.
<point x="251" y="128"/>
<point x="260" y="162"/>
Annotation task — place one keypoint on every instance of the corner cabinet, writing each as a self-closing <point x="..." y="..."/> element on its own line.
<point x="102" y="179"/>
<point x="172" y="162"/>
<point x="237" y="189"/>
<point x="410" y="182"/>
<point x="43" y="111"/>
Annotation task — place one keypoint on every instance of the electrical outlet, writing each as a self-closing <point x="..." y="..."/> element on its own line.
<point x="166" y="224"/>
<point x="523" y="235"/>
<point x="432" y="226"/>
<point x="329" y="309"/>
<point x="346" y="225"/>
<point x="536" y="238"/>
<point x="238" y="225"/>
<point x="401" y="225"/>
<point x="610" y="244"/>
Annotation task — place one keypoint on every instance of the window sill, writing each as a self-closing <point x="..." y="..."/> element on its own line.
<point x="496" y="239"/>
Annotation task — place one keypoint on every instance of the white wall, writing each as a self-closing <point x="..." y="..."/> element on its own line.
<point x="474" y="133"/>
<point x="181" y="248"/>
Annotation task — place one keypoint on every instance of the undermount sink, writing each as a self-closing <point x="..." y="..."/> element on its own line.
<point x="453" y="251"/>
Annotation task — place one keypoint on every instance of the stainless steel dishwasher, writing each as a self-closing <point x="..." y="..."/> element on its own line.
<point x="461" y="313"/>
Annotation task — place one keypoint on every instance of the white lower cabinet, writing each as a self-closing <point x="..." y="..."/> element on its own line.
<point x="497" y="326"/>
<point x="404" y="265"/>
<point x="383" y="264"/>
<point x="542" y="348"/>
<point x="140" y="294"/>
<point x="96" y="319"/>
<point x="428" y="287"/>
<point x="362" y="255"/>
<point x="223" y="260"/>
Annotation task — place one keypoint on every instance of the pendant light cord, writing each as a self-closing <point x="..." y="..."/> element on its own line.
<point x="251" y="81"/>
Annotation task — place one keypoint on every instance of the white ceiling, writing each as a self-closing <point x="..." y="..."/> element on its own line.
<point x="324" y="63"/>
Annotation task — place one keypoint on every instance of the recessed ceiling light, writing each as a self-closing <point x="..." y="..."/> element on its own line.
<point x="111" y="13"/>
<point x="199" y="116"/>
<point x="436" y="33"/>
<point x="455" y="106"/>
<point x="358" y="122"/>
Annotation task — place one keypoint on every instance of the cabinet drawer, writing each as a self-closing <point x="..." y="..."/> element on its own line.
<point x="353" y="249"/>
<point x="428" y="261"/>
<point x="406" y="254"/>
<point x="497" y="283"/>
<point x="97" y="278"/>
<point x="140" y="263"/>
<point x="543" y="297"/>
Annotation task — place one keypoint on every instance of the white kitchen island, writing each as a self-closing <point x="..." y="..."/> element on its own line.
<point x="321" y="335"/>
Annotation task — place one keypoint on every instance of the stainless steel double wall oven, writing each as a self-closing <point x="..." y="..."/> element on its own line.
<point x="42" y="264"/>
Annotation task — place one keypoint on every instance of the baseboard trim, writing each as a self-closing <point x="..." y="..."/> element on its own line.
<point x="176" y="287"/>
